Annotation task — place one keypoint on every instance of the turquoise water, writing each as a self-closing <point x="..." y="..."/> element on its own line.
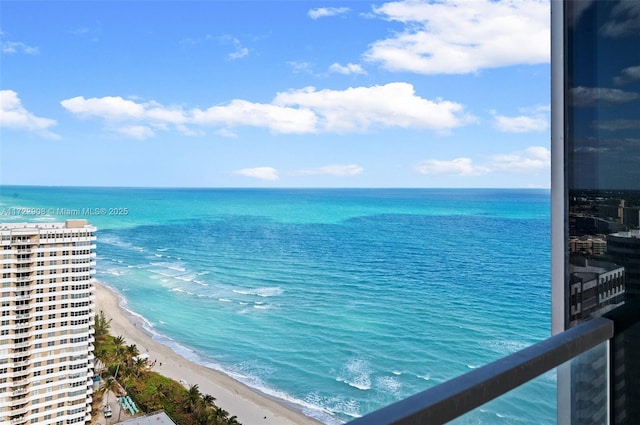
<point x="340" y="301"/>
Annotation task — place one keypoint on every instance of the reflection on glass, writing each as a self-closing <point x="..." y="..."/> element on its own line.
<point x="602" y="134"/>
<point x="602" y="174"/>
<point x="589" y="368"/>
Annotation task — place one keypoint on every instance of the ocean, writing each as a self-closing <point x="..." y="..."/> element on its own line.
<point x="338" y="301"/>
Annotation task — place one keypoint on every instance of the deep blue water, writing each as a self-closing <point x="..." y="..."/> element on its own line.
<point x="341" y="300"/>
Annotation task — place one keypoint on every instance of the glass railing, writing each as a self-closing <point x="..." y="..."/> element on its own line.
<point x="596" y="379"/>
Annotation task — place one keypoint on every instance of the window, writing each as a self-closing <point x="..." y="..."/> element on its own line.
<point x="594" y="135"/>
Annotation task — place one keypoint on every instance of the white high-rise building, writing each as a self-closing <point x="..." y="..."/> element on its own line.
<point x="46" y="328"/>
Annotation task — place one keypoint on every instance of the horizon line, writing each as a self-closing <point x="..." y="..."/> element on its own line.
<point x="277" y="187"/>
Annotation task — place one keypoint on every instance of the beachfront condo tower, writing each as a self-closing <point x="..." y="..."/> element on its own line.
<point x="46" y="328"/>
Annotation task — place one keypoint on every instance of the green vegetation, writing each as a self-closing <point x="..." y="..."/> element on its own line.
<point x="150" y="390"/>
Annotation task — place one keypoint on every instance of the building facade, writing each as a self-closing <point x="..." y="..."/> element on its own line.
<point x="595" y="129"/>
<point x="624" y="248"/>
<point x="596" y="288"/>
<point x="46" y="328"/>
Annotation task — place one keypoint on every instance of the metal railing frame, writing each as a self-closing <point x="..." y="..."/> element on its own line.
<point x="450" y="400"/>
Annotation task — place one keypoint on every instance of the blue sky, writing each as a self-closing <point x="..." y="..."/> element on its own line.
<point x="275" y="94"/>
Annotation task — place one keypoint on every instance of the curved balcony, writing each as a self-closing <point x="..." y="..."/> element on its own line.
<point x="18" y="421"/>
<point x="26" y="260"/>
<point x="22" y="325"/>
<point x="20" y="374"/>
<point x="21" y="383"/>
<point x="22" y="296"/>
<point x="22" y="363"/>
<point x="23" y="344"/>
<point x="20" y="411"/>
<point x="20" y="391"/>
<point x="18" y="402"/>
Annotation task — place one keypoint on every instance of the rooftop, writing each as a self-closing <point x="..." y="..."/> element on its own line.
<point x="157" y="418"/>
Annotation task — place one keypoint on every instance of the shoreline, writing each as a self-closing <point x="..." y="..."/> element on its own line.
<point x="250" y="406"/>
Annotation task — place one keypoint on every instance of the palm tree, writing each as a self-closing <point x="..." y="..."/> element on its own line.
<point x="101" y="325"/>
<point x="233" y="420"/>
<point x="119" y="352"/>
<point x="131" y="352"/>
<point x="193" y="395"/>
<point x="208" y="399"/>
<point x="102" y="358"/>
<point x="139" y="366"/>
<point x="119" y="349"/>
<point x="110" y="385"/>
<point x="220" y="412"/>
<point x="118" y="341"/>
<point x="205" y="413"/>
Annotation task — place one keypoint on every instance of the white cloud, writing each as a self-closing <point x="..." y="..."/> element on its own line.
<point x="156" y="112"/>
<point x="225" y="132"/>
<point x="628" y="75"/>
<point x="11" y="47"/>
<point x="239" y="53"/>
<point x="303" y="111"/>
<point x="347" y="69"/>
<point x="139" y="132"/>
<point x="239" y="50"/>
<point x="111" y="108"/>
<point x="535" y="119"/>
<point x="13" y="115"/>
<point x="587" y="96"/>
<point x="133" y="119"/>
<point x="533" y="160"/>
<point x="261" y="173"/>
<point x="334" y="170"/>
<point x="460" y="36"/>
<point x="322" y="12"/>
<point x="280" y="119"/>
<point x="624" y="20"/>
<point x="617" y="125"/>
<point x="456" y="167"/>
<point x="356" y="109"/>
<point x="300" y="67"/>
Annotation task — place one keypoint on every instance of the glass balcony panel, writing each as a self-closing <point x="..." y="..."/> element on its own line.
<point x="625" y="391"/>
<point x="581" y="385"/>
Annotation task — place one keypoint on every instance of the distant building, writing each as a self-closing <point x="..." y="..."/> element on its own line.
<point x="588" y="245"/>
<point x="595" y="288"/>
<point x="46" y="328"/>
<point x="629" y="216"/>
<point x="624" y="249"/>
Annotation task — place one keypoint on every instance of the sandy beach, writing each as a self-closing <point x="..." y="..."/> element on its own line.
<point x="250" y="407"/>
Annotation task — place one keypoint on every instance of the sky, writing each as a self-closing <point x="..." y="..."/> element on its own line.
<point x="275" y="93"/>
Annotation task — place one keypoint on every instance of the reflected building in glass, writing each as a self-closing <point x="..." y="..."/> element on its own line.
<point x="596" y="195"/>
